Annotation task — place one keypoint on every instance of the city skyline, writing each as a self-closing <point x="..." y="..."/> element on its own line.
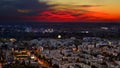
<point x="60" y="11"/>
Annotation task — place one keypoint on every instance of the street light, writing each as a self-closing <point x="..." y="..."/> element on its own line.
<point x="59" y="36"/>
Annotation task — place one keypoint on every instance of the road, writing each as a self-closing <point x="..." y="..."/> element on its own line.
<point x="0" y="65"/>
<point x="41" y="61"/>
<point x="44" y="63"/>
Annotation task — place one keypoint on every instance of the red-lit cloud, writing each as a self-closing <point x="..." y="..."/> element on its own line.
<point x="71" y="16"/>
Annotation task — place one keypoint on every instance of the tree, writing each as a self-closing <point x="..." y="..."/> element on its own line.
<point x="77" y="42"/>
<point x="93" y="66"/>
<point x="55" y="66"/>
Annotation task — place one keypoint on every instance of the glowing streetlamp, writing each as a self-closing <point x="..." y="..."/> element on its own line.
<point x="59" y="36"/>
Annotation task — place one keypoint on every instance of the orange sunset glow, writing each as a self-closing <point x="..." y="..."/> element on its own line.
<point x="69" y="16"/>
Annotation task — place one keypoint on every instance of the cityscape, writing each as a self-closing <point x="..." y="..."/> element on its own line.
<point x="23" y="46"/>
<point x="59" y="34"/>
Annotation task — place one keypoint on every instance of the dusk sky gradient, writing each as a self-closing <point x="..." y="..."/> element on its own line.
<point x="60" y="10"/>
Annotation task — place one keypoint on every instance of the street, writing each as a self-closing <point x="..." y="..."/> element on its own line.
<point x="44" y="63"/>
<point x="0" y="65"/>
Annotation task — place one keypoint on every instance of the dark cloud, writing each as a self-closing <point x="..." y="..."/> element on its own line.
<point x="18" y="7"/>
<point x="86" y="6"/>
<point x="90" y="5"/>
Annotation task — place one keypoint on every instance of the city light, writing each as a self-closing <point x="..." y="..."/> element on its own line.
<point x="13" y="40"/>
<point x="32" y="57"/>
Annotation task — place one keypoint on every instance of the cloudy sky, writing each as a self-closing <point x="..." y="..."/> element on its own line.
<point x="60" y="10"/>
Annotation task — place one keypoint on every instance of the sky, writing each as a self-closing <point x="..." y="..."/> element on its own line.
<point x="60" y="10"/>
